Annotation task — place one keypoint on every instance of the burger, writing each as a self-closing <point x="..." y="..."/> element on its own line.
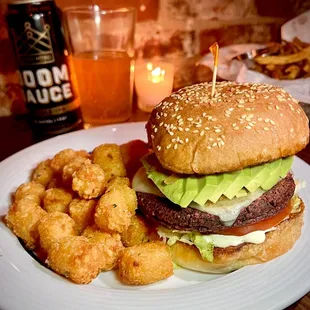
<point x="218" y="185"/>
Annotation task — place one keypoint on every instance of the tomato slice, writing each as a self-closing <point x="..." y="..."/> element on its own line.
<point x="262" y="225"/>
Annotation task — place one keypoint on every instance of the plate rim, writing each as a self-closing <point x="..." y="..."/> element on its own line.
<point x="287" y="301"/>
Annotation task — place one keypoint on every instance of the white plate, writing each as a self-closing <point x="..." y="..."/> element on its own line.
<point x="25" y="284"/>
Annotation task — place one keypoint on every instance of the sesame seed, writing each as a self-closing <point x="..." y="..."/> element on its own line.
<point x="210" y="139"/>
<point x="195" y="131"/>
<point x="240" y="106"/>
<point x="248" y="127"/>
<point x="243" y="116"/>
<point x="186" y="140"/>
<point x="180" y="128"/>
<point x="270" y="102"/>
<point x="266" y="128"/>
<point x="269" y="108"/>
<point x="267" y="120"/>
<point x="209" y="147"/>
<point x="217" y="130"/>
<point x="234" y="124"/>
<point x="207" y="128"/>
<point x="158" y="147"/>
<point x="236" y="128"/>
<point x="152" y="136"/>
<point x="186" y="129"/>
<point x="259" y="119"/>
<point x="179" y="116"/>
<point x="214" y="144"/>
<point x="190" y="119"/>
<point x="277" y="107"/>
<point x="168" y="146"/>
<point x="272" y="122"/>
<point x="175" y="146"/>
<point x="202" y="133"/>
<point x="251" y="124"/>
<point x="292" y="130"/>
<point x="219" y="144"/>
<point x="162" y="123"/>
<point x="173" y="140"/>
<point x="171" y="133"/>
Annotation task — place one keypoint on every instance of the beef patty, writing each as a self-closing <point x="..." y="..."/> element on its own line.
<point x="162" y="211"/>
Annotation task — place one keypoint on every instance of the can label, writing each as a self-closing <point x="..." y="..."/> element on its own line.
<point x="36" y="33"/>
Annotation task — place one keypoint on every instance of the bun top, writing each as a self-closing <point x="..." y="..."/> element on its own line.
<point x="243" y="125"/>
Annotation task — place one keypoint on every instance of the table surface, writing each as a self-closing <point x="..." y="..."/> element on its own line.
<point x="16" y="135"/>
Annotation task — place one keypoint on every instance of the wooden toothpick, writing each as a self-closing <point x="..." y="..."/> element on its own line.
<point x="214" y="49"/>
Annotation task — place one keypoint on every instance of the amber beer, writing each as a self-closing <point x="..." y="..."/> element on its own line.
<point x="36" y="33"/>
<point x="102" y="45"/>
<point x="105" y="83"/>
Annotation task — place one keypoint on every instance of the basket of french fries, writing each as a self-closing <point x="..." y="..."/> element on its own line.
<point x="284" y="61"/>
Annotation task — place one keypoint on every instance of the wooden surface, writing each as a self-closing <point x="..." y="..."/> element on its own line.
<point x="16" y="135"/>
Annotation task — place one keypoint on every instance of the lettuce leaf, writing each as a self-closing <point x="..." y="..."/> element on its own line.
<point x="184" y="189"/>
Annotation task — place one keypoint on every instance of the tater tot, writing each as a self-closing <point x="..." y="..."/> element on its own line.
<point x="64" y="157"/>
<point x="113" y="213"/>
<point x="57" y="199"/>
<point x="55" y="226"/>
<point x="33" y="189"/>
<point x="55" y="182"/>
<point x="112" y="246"/>
<point x="89" y="181"/>
<point x="70" y="168"/>
<point x="109" y="158"/>
<point x="76" y="258"/>
<point x="118" y="181"/>
<point x="23" y="218"/>
<point x="82" y="212"/>
<point x="145" y="263"/>
<point x="137" y="232"/>
<point x="43" y="173"/>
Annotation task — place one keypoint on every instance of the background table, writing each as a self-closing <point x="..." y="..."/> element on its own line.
<point x="15" y="135"/>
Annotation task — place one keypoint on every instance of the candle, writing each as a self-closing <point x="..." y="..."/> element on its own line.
<point x="153" y="83"/>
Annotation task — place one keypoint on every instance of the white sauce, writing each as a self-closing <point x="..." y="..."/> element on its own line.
<point x="224" y="241"/>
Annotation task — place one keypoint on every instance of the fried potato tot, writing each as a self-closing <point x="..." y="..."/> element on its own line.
<point x="57" y="199"/>
<point x="82" y="212"/>
<point x="112" y="246"/>
<point x="89" y="181"/>
<point x="43" y="173"/>
<point x="23" y="218"/>
<point x="128" y="193"/>
<point x="76" y="258"/>
<point x="55" y="226"/>
<point x="34" y="190"/>
<point x="145" y="263"/>
<point x="109" y="158"/>
<point x="118" y="181"/>
<point x="138" y="232"/>
<point x="70" y="168"/>
<point x="115" y="209"/>
<point x="56" y="182"/>
<point x="64" y="157"/>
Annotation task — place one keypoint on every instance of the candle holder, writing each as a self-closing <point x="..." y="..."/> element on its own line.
<point x="153" y="82"/>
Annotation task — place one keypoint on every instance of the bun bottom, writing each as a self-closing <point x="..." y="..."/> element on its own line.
<point x="232" y="258"/>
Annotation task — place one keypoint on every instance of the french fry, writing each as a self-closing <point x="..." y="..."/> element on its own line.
<point x="284" y="60"/>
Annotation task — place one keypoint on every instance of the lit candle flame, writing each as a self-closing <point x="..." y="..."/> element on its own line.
<point x="156" y="75"/>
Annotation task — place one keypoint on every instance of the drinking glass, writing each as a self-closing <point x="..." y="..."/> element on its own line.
<point x="102" y="50"/>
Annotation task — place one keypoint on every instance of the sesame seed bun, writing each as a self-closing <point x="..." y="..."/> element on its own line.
<point x="232" y="258"/>
<point x="244" y="125"/>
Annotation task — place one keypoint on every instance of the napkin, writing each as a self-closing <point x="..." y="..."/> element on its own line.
<point x="231" y="69"/>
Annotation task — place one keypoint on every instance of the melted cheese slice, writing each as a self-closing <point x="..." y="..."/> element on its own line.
<point x="227" y="210"/>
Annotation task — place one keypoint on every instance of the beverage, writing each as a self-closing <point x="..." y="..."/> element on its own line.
<point x="102" y="45"/>
<point x="48" y="81"/>
<point x="105" y="82"/>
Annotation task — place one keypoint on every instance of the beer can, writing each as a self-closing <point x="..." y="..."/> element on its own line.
<point x="44" y="65"/>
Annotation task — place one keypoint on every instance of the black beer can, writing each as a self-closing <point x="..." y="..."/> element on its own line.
<point x="44" y="65"/>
